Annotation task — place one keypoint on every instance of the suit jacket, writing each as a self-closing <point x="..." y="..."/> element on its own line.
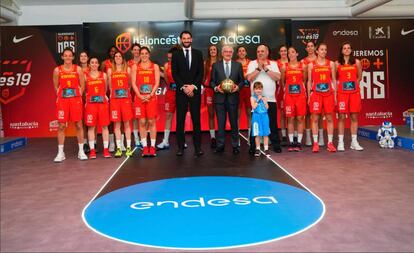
<point x="218" y="75"/>
<point x="182" y="75"/>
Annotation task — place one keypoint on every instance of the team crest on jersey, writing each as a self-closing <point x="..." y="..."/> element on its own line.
<point x="89" y="118"/>
<point x="307" y="34"/>
<point x="315" y="106"/>
<point x="64" y="40"/>
<point x="114" y="114"/>
<point x="123" y="42"/>
<point x="288" y="109"/>
<point x="138" y="111"/>
<point x="61" y="114"/>
<point x="341" y="106"/>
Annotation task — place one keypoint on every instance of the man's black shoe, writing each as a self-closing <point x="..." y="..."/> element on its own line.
<point x="277" y="148"/>
<point x="180" y="152"/>
<point x="198" y="153"/>
<point x="213" y="143"/>
<point x="219" y="150"/>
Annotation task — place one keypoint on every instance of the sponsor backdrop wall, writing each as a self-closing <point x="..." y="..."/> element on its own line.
<point x="385" y="50"/>
<point x="27" y="97"/>
<point x="29" y="54"/>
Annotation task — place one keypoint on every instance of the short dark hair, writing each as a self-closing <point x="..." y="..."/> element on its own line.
<point x="68" y="49"/>
<point x="135" y="45"/>
<point x="258" y="85"/>
<point x="144" y="48"/>
<point x="185" y="32"/>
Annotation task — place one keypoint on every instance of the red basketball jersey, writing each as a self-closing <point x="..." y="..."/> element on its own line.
<point x="321" y="76"/>
<point x="294" y="79"/>
<point x="68" y="82"/>
<point x="95" y="88"/>
<point x="145" y="78"/>
<point x="119" y="84"/>
<point x="347" y="76"/>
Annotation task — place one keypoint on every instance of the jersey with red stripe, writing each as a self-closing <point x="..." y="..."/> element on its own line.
<point x="294" y="80"/>
<point x="68" y="82"/>
<point x="131" y="63"/>
<point x="95" y="88"/>
<point x="208" y="76"/>
<point x="119" y="84"/>
<point x="306" y="60"/>
<point x="145" y="78"/>
<point x="321" y="76"/>
<point x="347" y="76"/>
<point x="280" y="64"/>
<point x="107" y="65"/>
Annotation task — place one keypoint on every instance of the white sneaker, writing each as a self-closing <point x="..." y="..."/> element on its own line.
<point x="112" y="147"/>
<point x="321" y="143"/>
<point x="163" y="145"/>
<point x="82" y="156"/>
<point x="59" y="158"/>
<point x="355" y="146"/>
<point x="341" y="147"/>
<point x="185" y="145"/>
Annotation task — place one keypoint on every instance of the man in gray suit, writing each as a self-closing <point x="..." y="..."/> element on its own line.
<point x="227" y="102"/>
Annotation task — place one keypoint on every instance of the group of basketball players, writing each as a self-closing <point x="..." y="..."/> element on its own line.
<point x="124" y="92"/>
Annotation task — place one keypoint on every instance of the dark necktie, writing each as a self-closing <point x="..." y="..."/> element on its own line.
<point x="227" y="70"/>
<point x="187" y="58"/>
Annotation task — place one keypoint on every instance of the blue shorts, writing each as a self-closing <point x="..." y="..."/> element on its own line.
<point x="260" y="124"/>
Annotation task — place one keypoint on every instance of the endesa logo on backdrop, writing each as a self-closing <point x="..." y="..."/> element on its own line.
<point x="203" y="212"/>
<point x="15" y="78"/>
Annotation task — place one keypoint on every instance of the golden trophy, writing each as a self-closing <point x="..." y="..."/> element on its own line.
<point x="227" y="85"/>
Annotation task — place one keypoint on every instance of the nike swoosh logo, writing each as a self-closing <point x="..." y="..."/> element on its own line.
<point x="16" y="40"/>
<point x="403" y="33"/>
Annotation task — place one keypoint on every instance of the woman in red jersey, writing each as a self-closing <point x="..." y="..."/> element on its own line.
<point x="322" y="88"/>
<point x="349" y="72"/>
<point x="69" y="84"/>
<point x="145" y="82"/>
<point x="281" y="62"/>
<point x="212" y="57"/>
<point x="83" y="63"/>
<point x="311" y="57"/>
<point x="120" y="101"/>
<point x="96" y="108"/>
<point x="134" y="61"/>
<point x="293" y="80"/>
<point x="245" y="93"/>
<point x="169" y="106"/>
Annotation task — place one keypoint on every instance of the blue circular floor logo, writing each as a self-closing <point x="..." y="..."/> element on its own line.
<point x="203" y="212"/>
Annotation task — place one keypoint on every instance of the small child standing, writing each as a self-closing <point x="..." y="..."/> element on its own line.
<point x="260" y="119"/>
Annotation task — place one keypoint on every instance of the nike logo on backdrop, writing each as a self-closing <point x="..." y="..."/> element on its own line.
<point x="403" y="33"/>
<point x="16" y="40"/>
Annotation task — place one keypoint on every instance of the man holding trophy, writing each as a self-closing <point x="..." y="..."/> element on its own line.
<point x="226" y="80"/>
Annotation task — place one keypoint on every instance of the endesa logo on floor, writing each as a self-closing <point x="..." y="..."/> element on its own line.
<point x="203" y="212"/>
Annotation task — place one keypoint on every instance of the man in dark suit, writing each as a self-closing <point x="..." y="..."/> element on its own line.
<point x="188" y="70"/>
<point x="227" y="102"/>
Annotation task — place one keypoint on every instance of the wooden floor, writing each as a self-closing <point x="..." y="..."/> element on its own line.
<point x="368" y="197"/>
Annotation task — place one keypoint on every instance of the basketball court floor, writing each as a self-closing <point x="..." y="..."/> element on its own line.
<point x="289" y="202"/>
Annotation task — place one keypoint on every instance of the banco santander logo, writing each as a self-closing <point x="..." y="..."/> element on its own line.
<point x="203" y="212"/>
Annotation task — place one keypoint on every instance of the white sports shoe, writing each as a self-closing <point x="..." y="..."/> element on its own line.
<point x="355" y="146"/>
<point x="112" y="147"/>
<point x="341" y="147"/>
<point x="82" y="156"/>
<point x="59" y="158"/>
<point x="321" y="143"/>
<point x="163" y="145"/>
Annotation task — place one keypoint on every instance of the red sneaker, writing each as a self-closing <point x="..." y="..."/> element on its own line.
<point x="152" y="151"/>
<point x="92" y="154"/>
<point x="315" y="148"/>
<point x="145" y="151"/>
<point x="331" y="147"/>
<point x="106" y="153"/>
